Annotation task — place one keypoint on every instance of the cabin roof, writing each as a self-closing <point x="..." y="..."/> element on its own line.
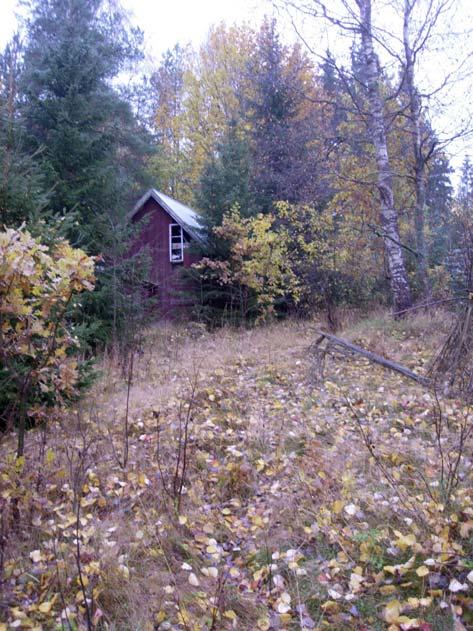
<point x="182" y="214"/>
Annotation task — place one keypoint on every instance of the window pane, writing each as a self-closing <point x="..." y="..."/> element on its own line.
<point x="176" y="243"/>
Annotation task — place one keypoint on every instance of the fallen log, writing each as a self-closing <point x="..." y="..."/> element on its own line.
<point x="373" y="357"/>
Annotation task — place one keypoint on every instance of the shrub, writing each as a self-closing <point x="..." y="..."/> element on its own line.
<point x="39" y="367"/>
<point x="253" y="277"/>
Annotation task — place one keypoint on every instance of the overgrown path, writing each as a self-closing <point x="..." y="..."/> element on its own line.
<point x="255" y="497"/>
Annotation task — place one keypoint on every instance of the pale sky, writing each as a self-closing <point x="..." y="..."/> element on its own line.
<point x="166" y="23"/>
<point x="7" y="20"/>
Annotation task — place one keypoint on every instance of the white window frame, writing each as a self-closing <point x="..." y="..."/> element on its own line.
<point x="176" y="244"/>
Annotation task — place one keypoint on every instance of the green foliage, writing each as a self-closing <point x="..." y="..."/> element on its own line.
<point x="79" y="122"/>
<point x="119" y="309"/>
<point x="22" y="188"/>
<point x="282" y="126"/>
<point x="316" y="253"/>
<point x="465" y="190"/>
<point x="226" y="181"/>
<point x="439" y="200"/>
<point x="321" y="247"/>
<point x="300" y="258"/>
<point x="89" y="145"/>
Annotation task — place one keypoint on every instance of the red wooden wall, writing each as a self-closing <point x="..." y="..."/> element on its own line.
<point x="154" y="236"/>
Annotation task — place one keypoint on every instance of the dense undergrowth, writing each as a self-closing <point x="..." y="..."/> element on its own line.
<point x="221" y="486"/>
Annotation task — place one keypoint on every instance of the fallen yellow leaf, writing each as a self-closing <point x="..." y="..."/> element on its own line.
<point x="392" y="611"/>
<point x="230" y="614"/>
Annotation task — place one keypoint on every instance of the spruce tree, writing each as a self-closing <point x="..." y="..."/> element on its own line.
<point x="23" y="196"/>
<point x="333" y="88"/>
<point x="225" y="181"/>
<point x="282" y="129"/>
<point x="439" y="198"/>
<point x="85" y="132"/>
<point x="88" y="143"/>
<point x="465" y="189"/>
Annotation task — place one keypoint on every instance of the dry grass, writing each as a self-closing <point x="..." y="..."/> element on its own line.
<point x="169" y="359"/>
<point x="421" y="332"/>
<point x="269" y="453"/>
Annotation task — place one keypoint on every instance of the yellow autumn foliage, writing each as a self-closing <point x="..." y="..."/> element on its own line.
<point x="39" y="368"/>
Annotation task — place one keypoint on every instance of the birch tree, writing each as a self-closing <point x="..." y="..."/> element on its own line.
<point x="389" y="220"/>
<point x="422" y="31"/>
<point x="355" y="18"/>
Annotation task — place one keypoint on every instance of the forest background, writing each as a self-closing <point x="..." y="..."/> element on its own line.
<point x="321" y="180"/>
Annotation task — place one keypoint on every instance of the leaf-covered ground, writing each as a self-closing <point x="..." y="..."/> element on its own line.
<point x="254" y="496"/>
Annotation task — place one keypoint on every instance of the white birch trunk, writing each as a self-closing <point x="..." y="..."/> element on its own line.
<point x="389" y="220"/>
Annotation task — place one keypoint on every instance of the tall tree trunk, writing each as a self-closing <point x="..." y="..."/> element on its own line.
<point x="400" y="290"/>
<point x="415" y="112"/>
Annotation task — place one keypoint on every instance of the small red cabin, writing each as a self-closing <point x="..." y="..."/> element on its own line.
<point x="169" y="228"/>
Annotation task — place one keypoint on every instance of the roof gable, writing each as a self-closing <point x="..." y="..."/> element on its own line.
<point x="182" y="214"/>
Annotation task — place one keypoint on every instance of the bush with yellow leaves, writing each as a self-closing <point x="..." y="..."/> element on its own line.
<point x="253" y="273"/>
<point x="39" y="368"/>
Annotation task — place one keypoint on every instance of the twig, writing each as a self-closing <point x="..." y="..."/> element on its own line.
<point x="87" y="606"/>
<point x="427" y="305"/>
<point x="128" y="391"/>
